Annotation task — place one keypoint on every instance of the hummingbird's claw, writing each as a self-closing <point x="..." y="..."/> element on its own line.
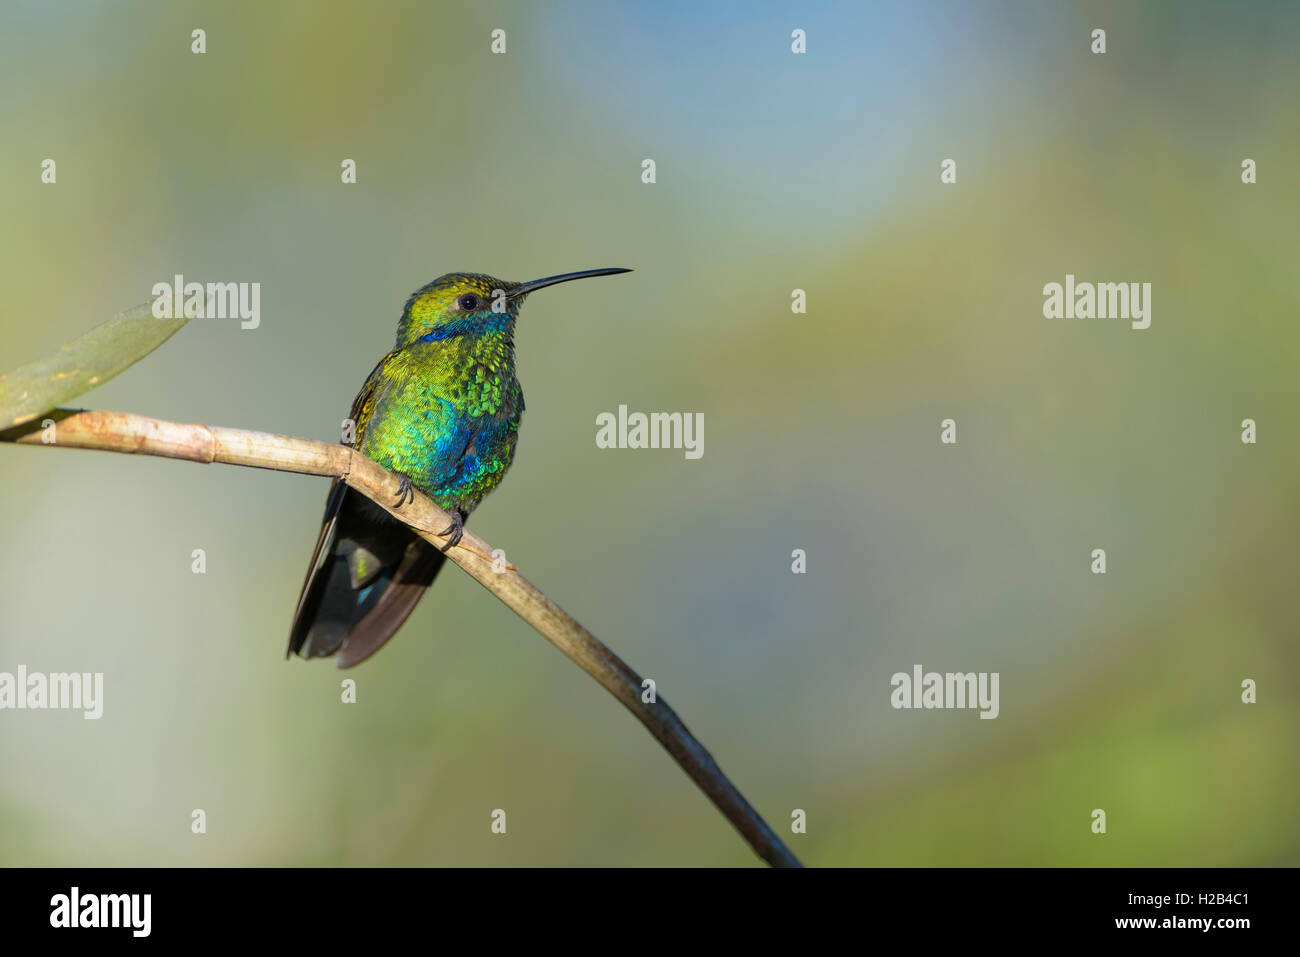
<point x="405" y="490"/>
<point x="455" y="530"/>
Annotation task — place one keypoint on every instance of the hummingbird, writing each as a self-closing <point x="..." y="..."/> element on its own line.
<point x="442" y="412"/>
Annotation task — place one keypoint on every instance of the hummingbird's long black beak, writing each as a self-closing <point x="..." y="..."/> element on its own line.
<point x="524" y="288"/>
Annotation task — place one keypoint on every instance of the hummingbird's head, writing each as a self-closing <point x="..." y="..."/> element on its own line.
<point x="466" y="303"/>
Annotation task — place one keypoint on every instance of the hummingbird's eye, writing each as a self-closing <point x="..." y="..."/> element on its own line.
<point x="468" y="302"/>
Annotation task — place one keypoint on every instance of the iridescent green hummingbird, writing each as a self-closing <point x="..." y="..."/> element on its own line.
<point x="442" y="411"/>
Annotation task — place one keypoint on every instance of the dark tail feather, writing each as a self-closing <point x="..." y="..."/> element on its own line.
<point x="381" y="616"/>
<point x="314" y="586"/>
<point x="339" y="613"/>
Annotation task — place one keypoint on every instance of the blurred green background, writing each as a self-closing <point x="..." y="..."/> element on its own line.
<point x="775" y="172"/>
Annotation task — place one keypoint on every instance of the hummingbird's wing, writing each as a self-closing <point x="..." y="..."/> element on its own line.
<point x="367" y="572"/>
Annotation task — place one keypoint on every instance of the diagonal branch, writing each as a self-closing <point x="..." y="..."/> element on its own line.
<point x="124" y="432"/>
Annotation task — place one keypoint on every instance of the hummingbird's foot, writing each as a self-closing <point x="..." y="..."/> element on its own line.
<point x="455" y="530"/>
<point x="405" y="490"/>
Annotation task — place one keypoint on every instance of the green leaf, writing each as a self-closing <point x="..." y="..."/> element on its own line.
<point x="88" y="361"/>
